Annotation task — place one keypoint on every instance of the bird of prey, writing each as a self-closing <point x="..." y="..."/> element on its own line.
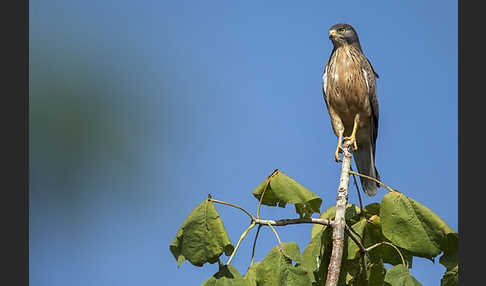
<point x="349" y="88"/>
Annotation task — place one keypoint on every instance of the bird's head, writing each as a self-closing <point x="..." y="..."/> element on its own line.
<point x="343" y="34"/>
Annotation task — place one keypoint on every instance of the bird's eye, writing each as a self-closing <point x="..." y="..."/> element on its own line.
<point x="341" y="31"/>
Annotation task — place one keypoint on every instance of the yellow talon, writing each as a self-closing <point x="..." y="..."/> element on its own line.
<point x="338" y="148"/>
<point x="352" y="138"/>
<point x="353" y="141"/>
<point x="336" y="155"/>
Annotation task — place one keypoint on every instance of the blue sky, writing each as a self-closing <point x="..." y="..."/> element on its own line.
<point x="140" y="109"/>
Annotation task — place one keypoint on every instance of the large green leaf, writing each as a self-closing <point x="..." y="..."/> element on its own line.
<point x="413" y="226"/>
<point x="277" y="268"/>
<point x="400" y="276"/>
<point x="202" y="237"/>
<point x="281" y="189"/>
<point x="226" y="276"/>
<point x="450" y="277"/>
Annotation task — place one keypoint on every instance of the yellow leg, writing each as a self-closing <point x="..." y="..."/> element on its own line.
<point x="353" y="134"/>
<point x="338" y="149"/>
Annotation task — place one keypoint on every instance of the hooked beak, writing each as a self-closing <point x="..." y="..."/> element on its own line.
<point x="333" y="34"/>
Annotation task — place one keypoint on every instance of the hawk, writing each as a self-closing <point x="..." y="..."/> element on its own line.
<point x="349" y="88"/>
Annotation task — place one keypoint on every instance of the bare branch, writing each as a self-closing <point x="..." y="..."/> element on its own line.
<point x="357" y="190"/>
<point x="254" y="244"/>
<point x="373" y="179"/>
<point x="339" y="221"/>
<point x="282" y="222"/>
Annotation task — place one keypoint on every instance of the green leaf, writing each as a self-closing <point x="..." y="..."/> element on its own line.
<point x="251" y="275"/>
<point x="352" y="214"/>
<point x="352" y="247"/>
<point x="316" y="255"/>
<point x="373" y="235"/>
<point x="375" y="220"/>
<point x="355" y="275"/>
<point x="226" y="276"/>
<point x="412" y="226"/>
<point x="313" y="250"/>
<point x="202" y="237"/>
<point x="277" y="268"/>
<point x="400" y="276"/>
<point x="350" y="270"/>
<point x="450" y="277"/>
<point x="291" y="250"/>
<point x="330" y="213"/>
<point x="377" y="273"/>
<point x="450" y="257"/>
<point x="371" y="209"/>
<point x="282" y="189"/>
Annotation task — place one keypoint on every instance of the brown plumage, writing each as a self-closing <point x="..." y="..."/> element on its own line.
<point x="349" y="88"/>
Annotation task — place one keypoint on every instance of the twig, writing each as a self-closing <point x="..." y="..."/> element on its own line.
<point x="339" y="222"/>
<point x="261" y="197"/>
<point x="373" y="246"/>
<point x="239" y="241"/>
<point x="373" y="179"/>
<point x="264" y="190"/>
<point x="388" y="243"/>
<point x="232" y="205"/>
<point x="399" y="252"/>
<point x="254" y="244"/>
<point x="357" y="189"/>
<point x="349" y="232"/>
<point x="276" y="234"/>
<point x="363" y="262"/>
<point x="282" y="222"/>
